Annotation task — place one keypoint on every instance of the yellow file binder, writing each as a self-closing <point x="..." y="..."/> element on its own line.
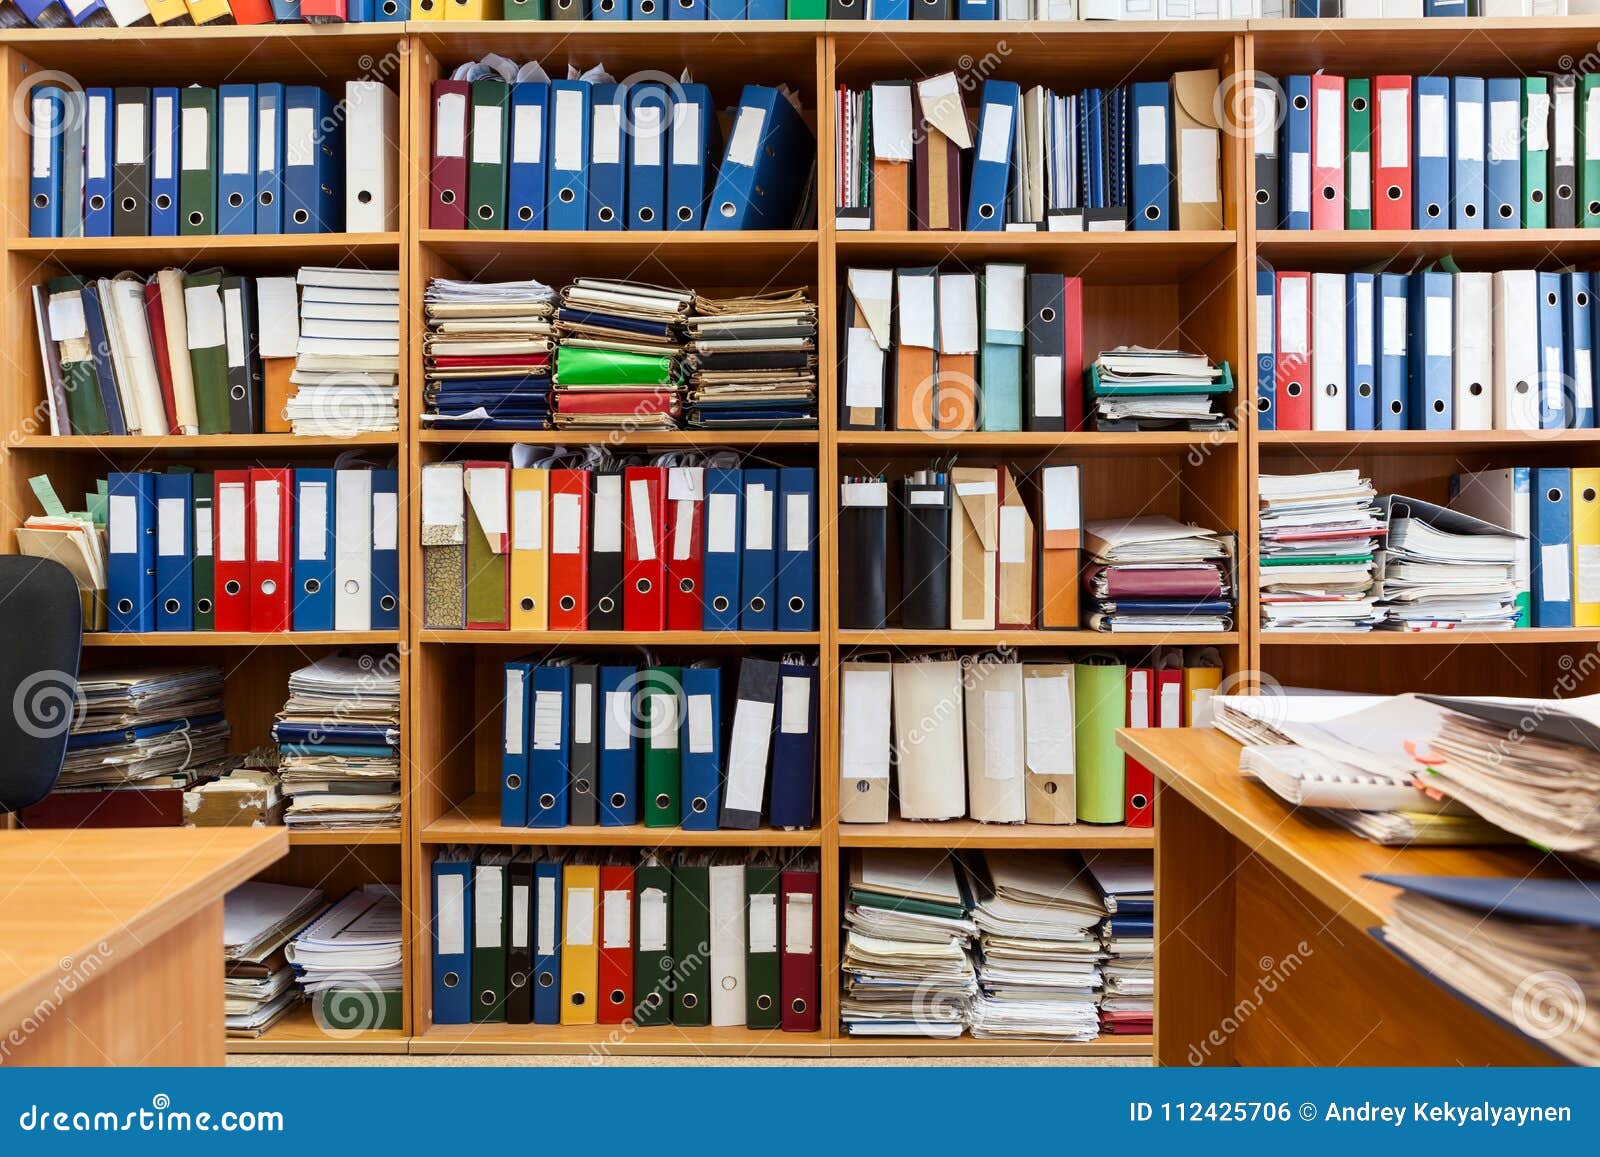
<point x="471" y="9"/>
<point x="1586" y="547"/>
<point x="530" y="570"/>
<point x="166" y="11"/>
<point x="580" y="957"/>
<point x="206" y="11"/>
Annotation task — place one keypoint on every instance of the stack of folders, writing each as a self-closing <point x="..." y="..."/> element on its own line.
<point x="140" y="738"/>
<point x="1426" y="152"/>
<point x="697" y="747"/>
<point x="620" y="156"/>
<point x="350" y="962"/>
<point x="970" y="558"/>
<point x="76" y="540"/>
<point x="339" y="735"/>
<point x="1147" y="156"/>
<point x="487" y="354"/>
<point x="1319" y="539"/>
<point x="1441" y="569"/>
<point x="752" y="362"/>
<point x="258" y="920"/>
<point x="617" y="366"/>
<point x="1142" y="389"/>
<point x="1006" y="742"/>
<point x="556" y="936"/>
<point x="1125" y="881"/>
<point x="260" y="550"/>
<point x="347" y="368"/>
<point x="1157" y="574"/>
<point x="1430" y="350"/>
<point x="917" y="358"/>
<point x="651" y="545"/>
<point x="248" y="796"/>
<point x="238" y="159"/>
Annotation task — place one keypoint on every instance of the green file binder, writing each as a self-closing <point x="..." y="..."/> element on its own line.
<point x="691" y="944"/>
<point x="1588" y="153"/>
<point x="489" y="937"/>
<point x="197" y="170"/>
<point x="486" y="168"/>
<point x="1358" y="160"/>
<point x="808" y="9"/>
<point x="524" y="10"/>
<point x="204" y="566"/>
<point x="1100" y="704"/>
<point x="652" y="938"/>
<point x="209" y="362"/>
<point x="86" y="409"/>
<point x="661" y="692"/>
<point x="585" y="367"/>
<point x="761" y="978"/>
<point x="1535" y="162"/>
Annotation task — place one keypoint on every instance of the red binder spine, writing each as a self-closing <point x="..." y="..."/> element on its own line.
<point x="322" y="11"/>
<point x="1391" y="153"/>
<point x="569" y="550"/>
<point x="1072" y="351"/>
<point x="1327" y="151"/>
<point x="797" y="969"/>
<point x="158" y="347"/>
<point x="272" y="548"/>
<point x="447" y="205"/>
<point x="1140" y="783"/>
<point x="251" y="12"/>
<point x="231" y="527"/>
<point x="644" y="548"/>
<point x="1294" y="351"/>
<point x="686" y="507"/>
<point x="616" y="944"/>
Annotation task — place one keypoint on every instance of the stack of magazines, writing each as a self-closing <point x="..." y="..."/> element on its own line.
<point x="347" y="370"/>
<point x="618" y="362"/>
<point x="348" y="961"/>
<point x="487" y="354"/>
<point x="339" y="735"/>
<point x="160" y="725"/>
<point x="258" y="919"/>
<point x="752" y="362"/>
<point x="1442" y="569"/>
<point x="1136" y="389"/>
<point x="1125" y="882"/>
<point x="1319" y="539"/>
<point x="1158" y="574"/>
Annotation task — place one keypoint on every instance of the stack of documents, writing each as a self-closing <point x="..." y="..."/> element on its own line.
<point x="907" y="963"/>
<point x="752" y="362"/>
<point x="1134" y="388"/>
<point x="248" y="796"/>
<point x="1125" y="883"/>
<point x="487" y="354"/>
<point x="1158" y="574"/>
<point x="349" y="960"/>
<point x="75" y="540"/>
<point x="1319" y="535"/>
<point x="1442" y="569"/>
<point x="339" y="735"/>
<point x="348" y="362"/>
<point x="618" y="360"/>
<point x="1038" y="947"/>
<point x="140" y="727"/>
<point x="257" y="922"/>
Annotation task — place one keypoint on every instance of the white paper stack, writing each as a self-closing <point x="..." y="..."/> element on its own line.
<point x="1319" y="535"/>
<point x="347" y="364"/>
<point x="1442" y="569"/>
<point x="1125" y="883"/>
<point x="339" y="737"/>
<point x="1155" y="573"/>
<point x="257" y="922"/>
<point x="353" y="945"/>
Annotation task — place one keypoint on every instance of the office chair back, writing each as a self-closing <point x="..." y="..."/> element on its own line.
<point x="41" y="635"/>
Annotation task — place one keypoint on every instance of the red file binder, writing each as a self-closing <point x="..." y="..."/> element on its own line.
<point x="1327" y="151"/>
<point x="569" y="550"/>
<point x="797" y="969"/>
<point x="158" y="349"/>
<point x="232" y="526"/>
<point x="1140" y="783"/>
<point x="1293" y="393"/>
<point x="252" y="12"/>
<point x="447" y="203"/>
<point x="686" y="508"/>
<point x="644" y="548"/>
<point x="1072" y="352"/>
<point x="616" y="944"/>
<point x="322" y="11"/>
<point x="271" y="548"/>
<point x="1391" y="143"/>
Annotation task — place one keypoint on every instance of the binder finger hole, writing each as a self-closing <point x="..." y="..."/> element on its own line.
<point x="653" y="999"/>
<point x="618" y="800"/>
<point x="1564" y="192"/>
<point x="1537" y="196"/>
<point x="1475" y="389"/>
<point x="451" y="979"/>
<point x="798" y="1004"/>
<point x="266" y="198"/>
<point x="301" y="216"/>
<point x="268" y="587"/>
<point x="513" y="781"/>
<point x="581" y="786"/>
<point x="729" y="983"/>
<point x="616" y="996"/>
<point x="1588" y="494"/>
<point x="1331" y="390"/>
<point x="203" y="606"/>
<point x="1395" y="407"/>
<point x="863" y="786"/>
<point x="1152" y="213"/>
<point x="1469" y="211"/>
<point x="720" y="603"/>
<point x="1047" y="315"/>
<point x="1300" y="102"/>
<point x="647" y="7"/>
<point x="797" y="604"/>
<point x="1263" y="405"/>
<point x="312" y="586"/>
<point x="758" y="604"/>
<point x="1050" y="787"/>
<point x="525" y="213"/>
<point x="1139" y="800"/>
<point x="663" y="800"/>
<point x="40" y="200"/>
<point x="547" y="801"/>
<point x="1553" y="494"/>
<point x="1505" y="212"/>
<point x="690" y="1000"/>
<point x="566" y="196"/>
<point x="1438" y="405"/>
<point x="519" y="979"/>
<point x="1263" y="196"/>
<point x="486" y="212"/>
<point x="986" y="211"/>
<point x="607" y="214"/>
<point x="525" y="604"/>
<point x="685" y="213"/>
<point x="386" y="603"/>
<point x="231" y="587"/>
<point x="686" y="586"/>
<point x="1329" y="192"/>
<point x="97" y="202"/>
<point x="129" y="204"/>
<point x="1364" y="389"/>
<point x="171" y="606"/>
<point x="1549" y="299"/>
<point x="763" y="1002"/>
<point x="607" y="604"/>
<point x="236" y="393"/>
<point x="486" y="998"/>
<point x="390" y="8"/>
<point x="163" y="202"/>
<point x="365" y="196"/>
<point x="578" y="998"/>
<point x="1359" y="104"/>
<point x="446" y="196"/>
<point x="568" y="602"/>
<point x="698" y="805"/>
<point x="1522" y="387"/>
<point x="1294" y="389"/>
<point x="646" y="214"/>
<point x="235" y="200"/>
<point x="1392" y="192"/>
<point x="197" y="218"/>
<point x="1433" y="211"/>
<point x="643" y="586"/>
<point x="726" y="209"/>
<point x="546" y="980"/>
<point x="353" y="587"/>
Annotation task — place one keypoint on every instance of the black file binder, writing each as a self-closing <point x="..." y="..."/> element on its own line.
<point x="863" y="557"/>
<point x="130" y="163"/>
<point x="1266" y="137"/>
<point x="605" y="552"/>
<point x="583" y="799"/>
<point x="852" y="417"/>
<point x="847" y="9"/>
<point x="1564" y="152"/>
<point x="929" y="10"/>
<point x="1047" y="338"/>
<point x="925" y="556"/>
<point x="245" y="383"/>
<point x="519" y="946"/>
<point x="566" y="10"/>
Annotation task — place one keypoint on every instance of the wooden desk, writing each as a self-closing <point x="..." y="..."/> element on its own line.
<point x="111" y="942"/>
<point x="1262" y="919"/>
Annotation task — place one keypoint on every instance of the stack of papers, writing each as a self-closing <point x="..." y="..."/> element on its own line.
<point x="617" y="364"/>
<point x="1441" y="569"/>
<point x="907" y="964"/>
<point x="257" y="921"/>
<point x="77" y="542"/>
<point x="1158" y="574"/>
<point x="339" y="737"/>
<point x="1319" y="535"/>
<point x="347" y="368"/>
<point x="1125" y="883"/>
<point x="752" y="362"/>
<point x="1038" y="948"/>
<point x="145" y="727"/>
<point x="353" y="948"/>
<point x="487" y="354"/>
<point x="1143" y="389"/>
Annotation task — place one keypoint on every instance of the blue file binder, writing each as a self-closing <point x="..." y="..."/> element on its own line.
<point x="131" y="551"/>
<point x="1578" y="313"/>
<point x="1503" y="154"/>
<point x="525" y="186"/>
<point x="1266" y="349"/>
<point x="452" y="953"/>
<point x="991" y="164"/>
<point x="269" y="158"/>
<point x="391" y="11"/>
<point x="695" y="145"/>
<point x="1430" y="162"/>
<point x="1431" y="312"/>
<point x="1361" y="370"/>
<point x="164" y="153"/>
<point x="1432" y="8"/>
<point x="313" y="164"/>
<point x="236" y="158"/>
<point x="1394" y="351"/>
<point x="516" y="760"/>
<point x="725" y="9"/>
<point x="174" y="585"/>
<point x="700" y="741"/>
<point x="549" y="742"/>
<point x="547" y="942"/>
<point x="315" y="530"/>
<point x="619" y="748"/>
<point x="794" y="747"/>
<point x="94" y="323"/>
<point x="649" y="115"/>
<point x="724" y="537"/>
<point x="286" y="11"/>
<point x="685" y="9"/>
<point x="1151" y="139"/>
<point x="976" y="10"/>
<point x="797" y="523"/>
<point x="767" y="10"/>
<point x="1550" y="529"/>
<point x="97" y="168"/>
<point x="608" y="158"/>
<point x="608" y="10"/>
<point x="1295" y="195"/>
<point x="764" y="167"/>
<point x="359" y="11"/>
<point x="569" y="155"/>
<point x="648" y="9"/>
<point x="1553" y="391"/>
<point x="385" y="550"/>
<point x="758" y="560"/>
<point x="1467" y="133"/>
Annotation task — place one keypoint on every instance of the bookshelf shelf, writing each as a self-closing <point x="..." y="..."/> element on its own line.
<point x="601" y="1040"/>
<point x="1031" y="443"/>
<point x="207" y="444"/>
<point x="240" y="638"/>
<point x="1102" y="257"/>
<point x="1438" y="441"/>
<point x="627" y="638"/>
<point x="1034" y="639"/>
<point x="476" y="820"/>
<point x="297" y="1032"/>
<point x="631" y="438"/>
<point x="246" y="252"/>
<point x="1472" y="248"/>
<point x="965" y="834"/>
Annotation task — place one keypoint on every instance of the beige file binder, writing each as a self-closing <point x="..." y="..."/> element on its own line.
<point x="974" y="547"/>
<point x="994" y="740"/>
<point x="865" y="696"/>
<point x="927" y="738"/>
<point x="1049" y="758"/>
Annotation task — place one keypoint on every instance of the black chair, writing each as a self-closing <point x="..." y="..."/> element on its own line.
<point x="41" y="621"/>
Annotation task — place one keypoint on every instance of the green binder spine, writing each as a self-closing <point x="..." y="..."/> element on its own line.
<point x="204" y="566"/>
<point x="1588" y="153"/>
<point x="197" y="175"/>
<point x="486" y="167"/>
<point x="1100" y="704"/>
<point x="586" y="367"/>
<point x="761" y="1008"/>
<point x="652" y="938"/>
<point x="1358" y="160"/>
<point x="691" y="945"/>
<point x="1535" y="162"/>
<point x="808" y="9"/>
<point x="524" y="10"/>
<point x="86" y="410"/>
<point x="489" y="958"/>
<point x="209" y="365"/>
<point x="661" y="691"/>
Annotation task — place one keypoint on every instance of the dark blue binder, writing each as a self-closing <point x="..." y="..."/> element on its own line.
<point x="1266" y="349"/>
<point x="525" y="186"/>
<point x="164" y="153"/>
<point x="700" y="741"/>
<point x="314" y="548"/>
<point x="131" y="551"/>
<point x="269" y="158"/>
<point x="1468" y="136"/>
<point x="97" y="162"/>
<point x="1430" y="163"/>
<point x="724" y="539"/>
<point x="794" y="747"/>
<point x="1550" y="548"/>
<point x="547" y="942"/>
<point x="608" y="158"/>
<point x="550" y="744"/>
<point x="1361" y="370"/>
<point x="95" y="326"/>
<point x="569" y="155"/>
<point x="1393" y="352"/>
<point x="385" y="550"/>
<point x="649" y="115"/>
<point x="761" y="183"/>
<point x="1578" y="314"/>
<point x="313" y="162"/>
<point x="451" y="930"/>
<point x="1150" y="140"/>
<point x="1295" y="196"/>
<point x="1553" y="391"/>
<point x="797" y="567"/>
<point x="236" y="159"/>
<point x="758" y="562"/>
<point x="515" y="757"/>
<point x="174" y="582"/>
<point x="1503" y="154"/>
<point x="696" y="142"/>
<point x="1431" y="312"/>
<point x="619" y="748"/>
<point x="991" y="165"/>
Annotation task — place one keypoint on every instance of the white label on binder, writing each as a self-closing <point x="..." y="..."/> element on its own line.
<point x="722" y="519"/>
<point x="1364" y="322"/>
<point x="917" y="310"/>
<point x="685" y="484"/>
<point x="67" y="322"/>
<point x="94" y="154"/>
<point x="1394" y="129"/>
<point x="1583" y="382"/>
<point x="1153" y="134"/>
<point x="1299" y="183"/>
<point x="701" y="729"/>
<point x="1566" y="122"/>
<point x="1013" y="535"/>
<point x="443" y="498"/>
<point x="44" y="134"/>
<point x="488" y="889"/>
<point x="647" y="135"/>
<point x="795" y="696"/>
<point x="1062" y="504"/>
<point x="1552" y="375"/>
<point x="1589" y="574"/>
<point x="1047" y="724"/>
<point x="202" y="306"/>
<point x="1264" y="319"/>
<point x="958" y="313"/>
<point x="452" y="914"/>
<point x="450" y="134"/>
<point x="1555" y="566"/>
<point x="545" y="941"/>
<point x="618" y="721"/>
<point x="582" y="713"/>
<point x="1394" y="327"/>
<point x="130" y="134"/>
<point x="682" y="530"/>
<point x="616" y="919"/>
<point x="202" y="530"/>
<point x="864" y="494"/>
<point x="999" y="735"/>
<point x="1048" y="400"/>
<point x="566" y="523"/>
<point x="312" y="504"/>
<point x="527" y="519"/>
<point x="747" y="755"/>
<point x="1198" y="166"/>
<point x="864" y="730"/>
<point x="796" y="522"/>
<point x="687" y="147"/>
<point x="527" y="134"/>
<point x="1171" y="698"/>
<point x="863" y="381"/>
<point x="236" y="134"/>
<point x="1292" y="319"/>
<point x="607" y="514"/>
<point x="486" y="120"/>
<point x="605" y="146"/>
<point x="1505" y="130"/>
<point x="162" y="136"/>
<point x="266" y="140"/>
<point x="663" y="721"/>
<point x="196" y="138"/>
<point x="514" y="721"/>
<point x="1469" y="131"/>
<point x="757" y="518"/>
<point x="580" y="917"/>
<point x="1329" y="118"/>
<point x="1265" y="114"/>
<point x="1440" y="317"/>
<point x="893" y="136"/>
<point x="172" y="518"/>
<point x="548" y="712"/>
<point x="232" y="308"/>
<point x="798" y="916"/>
<point x="644" y="530"/>
<point x="520" y="894"/>
<point x="994" y="134"/>
<point x="267" y="503"/>
<point x="486" y="490"/>
<point x="1359" y="187"/>
<point x="1537" y="124"/>
<point x="1591" y="125"/>
<point x="746" y="139"/>
<point x="652" y="920"/>
<point x="566" y="131"/>
<point x="1003" y="299"/>
<point x="230" y="522"/>
<point x="926" y="498"/>
<point x="763" y="922"/>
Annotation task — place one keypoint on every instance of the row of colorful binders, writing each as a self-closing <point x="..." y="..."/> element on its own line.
<point x="131" y="13"/>
<point x="539" y="936"/>
<point x="700" y="747"/>
<point x="1143" y="156"/>
<point x="1433" y="350"/>
<point x="1427" y="152"/>
<point x="237" y="159"/>
<point x="514" y="149"/>
<point x="646" y="546"/>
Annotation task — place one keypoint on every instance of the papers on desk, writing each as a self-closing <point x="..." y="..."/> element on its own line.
<point x="1319" y="537"/>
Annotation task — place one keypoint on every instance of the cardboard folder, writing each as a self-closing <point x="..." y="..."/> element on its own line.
<point x="864" y="710"/>
<point x="1060" y="544"/>
<point x="893" y="147"/>
<point x="1048" y="758"/>
<point x="1198" y="136"/>
<point x="974" y="548"/>
<point x="1014" y="608"/>
<point x="916" y="359"/>
<point x="995" y="741"/>
<point x="942" y="117"/>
